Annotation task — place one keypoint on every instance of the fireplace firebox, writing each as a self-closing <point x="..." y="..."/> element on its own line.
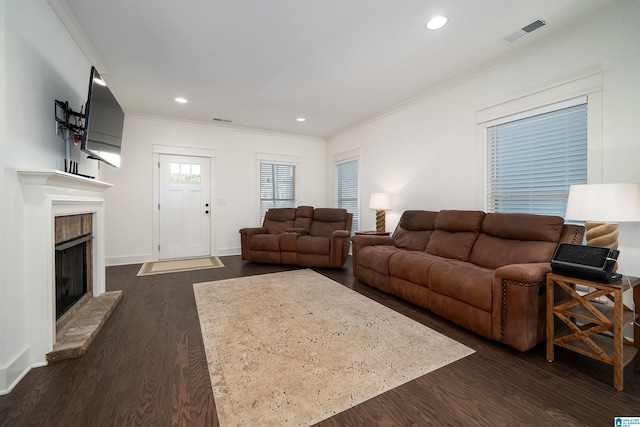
<point x="71" y="273"/>
<point x="73" y="248"/>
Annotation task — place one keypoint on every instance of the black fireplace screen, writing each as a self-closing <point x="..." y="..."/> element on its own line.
<point x="71" y="273"/>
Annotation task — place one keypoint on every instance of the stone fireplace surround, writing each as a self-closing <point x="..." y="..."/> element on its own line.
<point x="48" y="194"/>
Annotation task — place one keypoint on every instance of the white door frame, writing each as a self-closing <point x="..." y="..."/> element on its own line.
<point x="179" y="151"/>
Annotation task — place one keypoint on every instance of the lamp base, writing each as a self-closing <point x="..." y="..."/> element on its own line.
<point x="603" y="234"/>
<point x="380" y="221"/>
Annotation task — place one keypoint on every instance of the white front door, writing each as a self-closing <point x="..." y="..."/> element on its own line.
<point x="184" y="206"/>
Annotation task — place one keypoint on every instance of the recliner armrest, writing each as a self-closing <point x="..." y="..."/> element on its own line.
<point x="253" y="230"/>
<point x="518" y="311"/>
<point x="341" y="233"/>
<point x="245" y="238"/>
<point x="363" y="240"/>
<point x="534" y="272"/>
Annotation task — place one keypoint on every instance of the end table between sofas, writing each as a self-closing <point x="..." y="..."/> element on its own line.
<point x="584" y="321"/>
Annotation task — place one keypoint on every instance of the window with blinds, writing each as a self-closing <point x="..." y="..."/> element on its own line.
<point x="533" y="160"/>
<point x="347" y="189"/>
<point x="277" y="187"/>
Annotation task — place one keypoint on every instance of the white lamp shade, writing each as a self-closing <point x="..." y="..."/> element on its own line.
<point x="380" y="201"/>
<point x="604" y="203"/>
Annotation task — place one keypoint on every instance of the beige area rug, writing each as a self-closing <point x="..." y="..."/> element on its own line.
<point x="294" y="348"/>
<point x="178" y="265"/>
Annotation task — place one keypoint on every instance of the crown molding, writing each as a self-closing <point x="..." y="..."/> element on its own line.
<point x="68" y="19"/>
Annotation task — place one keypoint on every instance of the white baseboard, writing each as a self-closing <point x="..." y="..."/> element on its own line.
<point x="228" y="251"/>
<point x="140" y="259"/>
<point x="129" y="259"/>
<point x="11" y="375"/>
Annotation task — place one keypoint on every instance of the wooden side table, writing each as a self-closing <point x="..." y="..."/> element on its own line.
<point x="584" y="321"/>
<point x="373" y="233"/>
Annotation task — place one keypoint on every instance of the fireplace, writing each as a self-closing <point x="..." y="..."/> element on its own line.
<point x="73" y="260"/>
<point x="48" y="196"/>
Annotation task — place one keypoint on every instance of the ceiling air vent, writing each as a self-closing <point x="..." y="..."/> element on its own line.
<point x="527" y="29"/>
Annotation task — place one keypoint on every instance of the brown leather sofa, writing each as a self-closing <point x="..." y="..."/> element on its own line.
<point x="299" y="236"/>
<point x="485" y="272"/>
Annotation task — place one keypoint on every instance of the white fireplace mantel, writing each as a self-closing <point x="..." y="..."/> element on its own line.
<point x="55" y="178"/>
<point x="48" y="194"/>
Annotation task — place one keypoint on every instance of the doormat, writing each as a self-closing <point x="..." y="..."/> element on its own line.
<point x="294" y="348"/>
<point x="179" y="265"/>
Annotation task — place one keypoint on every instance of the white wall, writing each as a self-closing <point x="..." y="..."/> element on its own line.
<point x="40" y="63"/>
<point x="130" y="207"/>
<point x="428" y="154"/>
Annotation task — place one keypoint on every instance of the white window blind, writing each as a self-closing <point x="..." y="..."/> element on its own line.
<point x="347" y="189"/>
<point x="277" y="187"/>
<point x="532" y="161"/>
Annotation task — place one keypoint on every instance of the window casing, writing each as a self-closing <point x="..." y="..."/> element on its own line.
<point x="347" y="194"/>
<point x="277" y="186"/>
<point x="532" y="159"/>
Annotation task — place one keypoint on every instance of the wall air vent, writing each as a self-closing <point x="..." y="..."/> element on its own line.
<point x="527" y="29"/>
<point x="219" y="120"/>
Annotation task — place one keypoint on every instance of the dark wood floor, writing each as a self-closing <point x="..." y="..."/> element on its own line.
<point x="148" y="367"/>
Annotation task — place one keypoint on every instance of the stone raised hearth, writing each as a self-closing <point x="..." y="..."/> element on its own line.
<point x="75" y="336"/>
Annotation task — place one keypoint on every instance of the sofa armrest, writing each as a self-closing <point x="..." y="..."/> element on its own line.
<point x="360" y="241"/>
<point x="534" y="272"/>
<point x="253" y="230"/>
<point x="341" y="234"/>
<point x="518" y="310"/>
<point x="245" y="238"/>
<point x="339" y="247"/>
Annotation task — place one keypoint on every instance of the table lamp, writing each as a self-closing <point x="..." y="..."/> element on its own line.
<point x="602" y="207"/>
<point x="381" y="202"/>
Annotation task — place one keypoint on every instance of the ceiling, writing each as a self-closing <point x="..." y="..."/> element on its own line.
<point x="263" y="63"/>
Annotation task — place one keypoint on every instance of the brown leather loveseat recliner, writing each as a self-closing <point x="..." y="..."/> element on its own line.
<point x="299" y="236"/>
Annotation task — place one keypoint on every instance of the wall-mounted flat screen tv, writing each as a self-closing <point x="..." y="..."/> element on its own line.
<point x="104" y="121"/>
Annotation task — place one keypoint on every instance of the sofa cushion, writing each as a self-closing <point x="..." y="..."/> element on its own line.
<point x="265" y="242"/>
<point x="516" y="239"/>
<point x="523" y="226"/>
<point x="312" y="245"/>
<point x="304" y="215"/>
<point x="327" y="220"/>
<point x="455" y="221"/>
<point x="463" y="282"/>
<point x="277" y="220"/>
<point x="455" y="234"/>
<point x="377" y="258"/>
<point x="413" y="266"/>
<point x="414" y="230"/>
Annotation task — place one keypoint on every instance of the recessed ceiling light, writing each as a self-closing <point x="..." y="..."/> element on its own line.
<point x="301" y="119"/>
<point x="436" y="22"/>
<point x="181" y="100"/>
